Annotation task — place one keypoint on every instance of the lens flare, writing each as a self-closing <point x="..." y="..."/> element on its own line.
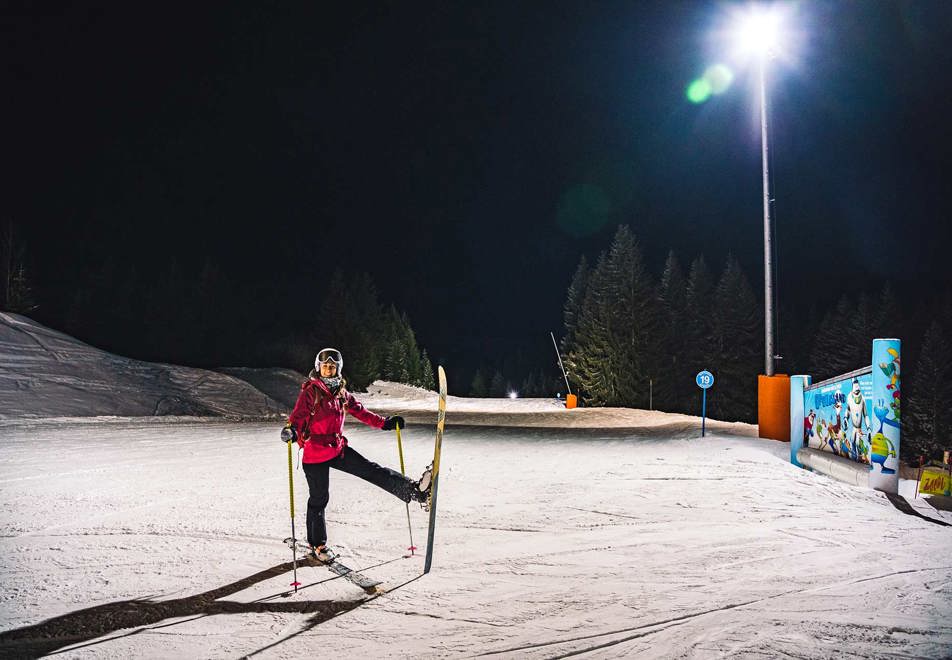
<point x="698" y="91"/>
<point x="719" y="77"/>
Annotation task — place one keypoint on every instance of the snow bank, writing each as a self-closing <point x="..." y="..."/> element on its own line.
<point x="419" y="406"/>
<point x="45" y="373"/>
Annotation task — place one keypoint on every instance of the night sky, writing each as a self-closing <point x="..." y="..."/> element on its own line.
<point x="467" y="154"/>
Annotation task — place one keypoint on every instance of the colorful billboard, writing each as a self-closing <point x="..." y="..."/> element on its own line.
<point x="837" y="417"/>
<point x="856" y="415"/>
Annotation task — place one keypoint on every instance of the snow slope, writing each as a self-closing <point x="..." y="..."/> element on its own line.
<point x="45" y="373"/>
<point x="161" y="540"/>
<point x="282" y="385"/>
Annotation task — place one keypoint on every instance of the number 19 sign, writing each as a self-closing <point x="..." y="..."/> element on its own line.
<point x="704" y="380"/>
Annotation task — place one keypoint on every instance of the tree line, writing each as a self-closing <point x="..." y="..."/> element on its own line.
<point x="16" y="293"/>
<point x="635" y="340"/>
<point x="200" y="317"/>
<point x="491" y="382"/>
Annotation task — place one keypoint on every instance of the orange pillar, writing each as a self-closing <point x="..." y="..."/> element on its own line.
<point x="571" y="401"/>
<point x="773" y="407"/>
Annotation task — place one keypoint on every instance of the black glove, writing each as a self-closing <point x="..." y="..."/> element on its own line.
<point x="288" y="433"/>
<point x="391" y="423"/>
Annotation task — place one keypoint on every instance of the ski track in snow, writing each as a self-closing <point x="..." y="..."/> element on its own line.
<point x="547" y="546"/>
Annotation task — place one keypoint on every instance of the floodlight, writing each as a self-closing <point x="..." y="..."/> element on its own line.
<point x="758" y="31"/>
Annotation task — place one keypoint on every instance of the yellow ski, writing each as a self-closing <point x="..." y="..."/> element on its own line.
<point x="440" y="421"/>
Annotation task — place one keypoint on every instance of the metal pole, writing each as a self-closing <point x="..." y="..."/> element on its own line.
<point x="650" y="394"/>
<point x="919" y="476"/>
<point x="564" y="375"/>
<point x="403" y="471"/>
<point x="768" y="259"/>
<point x="703" y="409"/>
<point x="294" y="584"/>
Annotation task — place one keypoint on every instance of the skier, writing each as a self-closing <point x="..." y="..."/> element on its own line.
<point x="316" y="423"/>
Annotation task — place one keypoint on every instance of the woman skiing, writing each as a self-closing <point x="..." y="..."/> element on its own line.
<point x="316" y="423"/>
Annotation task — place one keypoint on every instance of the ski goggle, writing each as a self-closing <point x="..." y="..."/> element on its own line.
<point x="329" y="356"/>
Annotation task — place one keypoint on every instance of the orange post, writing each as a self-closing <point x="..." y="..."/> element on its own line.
<point x="571" y="401"/>
<point x="773" y="407"/>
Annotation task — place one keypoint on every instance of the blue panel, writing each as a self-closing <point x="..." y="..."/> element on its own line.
<point x="797" y="418"/>
<point x="884" y="456"/>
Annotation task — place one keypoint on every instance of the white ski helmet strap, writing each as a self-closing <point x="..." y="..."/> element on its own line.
<point x="331" y="355"/>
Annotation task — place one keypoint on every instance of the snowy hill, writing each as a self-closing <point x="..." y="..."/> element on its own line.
<point x="282" y="385"/>
<point x="45" y="373"/>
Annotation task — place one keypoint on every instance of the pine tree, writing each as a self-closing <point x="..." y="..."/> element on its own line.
<point x="636" y="330"/>
<point x="479" y="386"/>
<point x="574" y="299"/>
<point x="590" y="363"/>
<point x="394" y="368"/>
<point x="427" y="379"/>
<point x="352" y="321"/>
<point x="618" y="334"/>
<point x="887" y="317"/>
<point x="401" y="358"/>
<point x="671" y="392"/>
<point x="498" y="386"/>
<point x="20" y="298"/>
<point x="831" y="354"/>
<point x="929" y="420"/>
<point x="530" y="387"/>
<point x="859" y="334"/>
<point x="696" y="343"/>
<point x="736" y="327"/>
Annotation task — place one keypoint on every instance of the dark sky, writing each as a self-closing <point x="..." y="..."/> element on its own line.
<point x="466" y="154"/>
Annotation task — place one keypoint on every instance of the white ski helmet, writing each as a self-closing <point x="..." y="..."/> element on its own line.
<point x="331" y="355"/>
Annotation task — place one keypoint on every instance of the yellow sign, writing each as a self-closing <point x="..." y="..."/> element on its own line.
<point x="934" y="482"/>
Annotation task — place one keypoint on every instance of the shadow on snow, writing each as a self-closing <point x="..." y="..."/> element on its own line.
<point x="73" y="629"/>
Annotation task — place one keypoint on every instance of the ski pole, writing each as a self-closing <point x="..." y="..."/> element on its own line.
<point x="919" y="476"/>
<point x="404" y="473"/>
<point x="294" y="584"/>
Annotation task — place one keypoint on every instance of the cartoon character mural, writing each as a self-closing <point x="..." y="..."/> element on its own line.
<point x="858" y="418"/>
<point x="884" y="450"/>
<point x="838" y="421"/>
<point x="867" y="394"/>
<point x="890" y="369"/>
<point x="808" y="432"/>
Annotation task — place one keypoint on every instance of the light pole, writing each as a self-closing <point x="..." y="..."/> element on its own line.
<point x="757" y="33"/>
<point x="768" y="239"/>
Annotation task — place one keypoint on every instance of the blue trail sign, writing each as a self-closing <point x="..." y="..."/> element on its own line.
<point x="704" y="380"/>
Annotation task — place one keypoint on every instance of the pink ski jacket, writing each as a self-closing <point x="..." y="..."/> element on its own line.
<point x="318" y="417"/>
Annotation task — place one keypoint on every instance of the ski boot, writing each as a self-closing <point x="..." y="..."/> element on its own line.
<point x="421" y="488"/>
<point x="322" y="554"/>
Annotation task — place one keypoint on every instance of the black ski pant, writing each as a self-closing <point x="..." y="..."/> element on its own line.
<point x="351" y="462"/>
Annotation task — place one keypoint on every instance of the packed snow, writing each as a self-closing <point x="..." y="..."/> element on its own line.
<point x="126" y="538"/>
<point x="597" y="532"/>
